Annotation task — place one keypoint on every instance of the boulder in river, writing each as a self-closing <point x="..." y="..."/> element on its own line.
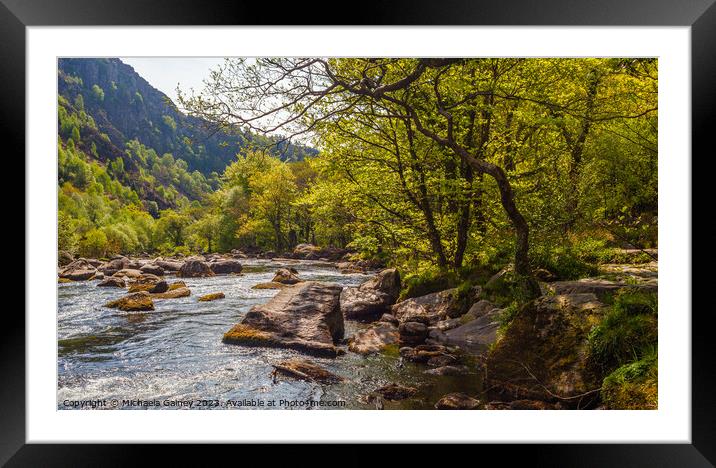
<point x="448" y="370"/>
<point x="457" y="401"/>
<point x="195" y="268"/>
<point x="305" y="370"/>
<point x="286" y="276"/>
<point x="412" y="333"/>
<point x="112" y="282"/>
<point x="423" y="353"/>
<point x="152" y="268"/>
<point x="225" y="266"/>
<point x="114" y="265"/>
<point x="132" y="302"/>
<point x="304" y="250"/>
<point x="168" y="265"/>
<point x="312" y="252"/>
<point x="176" y="285"/>
<point x="128" y="273"/>
<point x="305" y="317"/>
<point x="79" y="270"/>
<point x="395" y="391"/>
<point x="374" y="338"/>
<point x="474" y="336"/>
<point x="543" y="352"/>
<point x="269" y="285"/>
<point x="430" y="308"/>
<point x="173" y="293"/>
<point x="372" y="298"/>
<point x="148" y="282"/>
<point x="212" y="297"/>
<point x="64" y="258"/>
<point x="443" y="360"/>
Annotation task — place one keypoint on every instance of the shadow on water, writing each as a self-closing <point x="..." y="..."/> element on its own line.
<point x="94" y="343"/>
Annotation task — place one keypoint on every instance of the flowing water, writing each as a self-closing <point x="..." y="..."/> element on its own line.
<point x="173" y="355"/>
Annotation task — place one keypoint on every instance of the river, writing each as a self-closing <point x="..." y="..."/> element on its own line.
<point x="175" y="354"/>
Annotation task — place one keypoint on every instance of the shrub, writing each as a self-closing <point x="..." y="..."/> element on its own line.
<point x="627" y="332"/>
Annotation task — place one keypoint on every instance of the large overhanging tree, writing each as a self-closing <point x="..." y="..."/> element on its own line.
<point x="464" y="106"/>
<point x="436" y="97"/>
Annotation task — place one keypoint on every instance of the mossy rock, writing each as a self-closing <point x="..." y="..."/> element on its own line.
<point x="150" y="286"/>
<point x="133" y="302"/>
<point x="173" y="293"/>
<point x="542" y="354"/>
<point x="247" y="335"/>
<point x="176" y="285"/>
<point x="304" y="370"/>
<point x="270" y="285"/>
<point x="306" y="317"/>
<point x="633" y="386"/>
<point x="212" y="297"/>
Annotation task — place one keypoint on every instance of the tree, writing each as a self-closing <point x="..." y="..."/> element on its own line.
<point x="66" y="239"/>
<point x="94" y="244"/>
<point x="208" y="227"/>
<point x="98" y="93"/>
<point x="171" y="226"/>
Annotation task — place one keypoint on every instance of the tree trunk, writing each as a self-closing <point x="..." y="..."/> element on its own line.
<point x="432" y="231"/>
<point x="463" y="226"/>
<point x="523" y="270"/>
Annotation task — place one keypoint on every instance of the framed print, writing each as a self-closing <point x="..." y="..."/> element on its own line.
<point x="420" y="226"/>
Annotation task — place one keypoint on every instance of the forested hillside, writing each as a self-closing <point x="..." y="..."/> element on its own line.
<point x="127" y="157"/>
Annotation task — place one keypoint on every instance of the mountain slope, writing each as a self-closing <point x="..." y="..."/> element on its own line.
<point x="124" y="107"/>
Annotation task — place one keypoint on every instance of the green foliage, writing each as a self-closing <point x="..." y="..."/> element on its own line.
<point x="563" y="261"/>
<point x="508" y="314"/>
<point x="505" y="288"/>
<point x="66" y="239"/>
<point x="633" y="385"/>
<point x="98" y="93"/>
<point x="171" y="227"/>
<point x="429" y="281"/>
<point x="627" y="332"/>
<point x="93" y="244"/>
<point x="169" y="122"/>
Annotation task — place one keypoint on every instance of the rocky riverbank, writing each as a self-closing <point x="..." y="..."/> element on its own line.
<point x="537" y="362"/>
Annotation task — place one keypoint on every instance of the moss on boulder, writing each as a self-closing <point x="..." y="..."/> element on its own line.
<point x="212" y="297"/>
<point x="133" y="302"/>
<point x="173" y="293"/>
<point x="543" y="352"/>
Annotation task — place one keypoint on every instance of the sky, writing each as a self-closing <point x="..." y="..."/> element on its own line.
<point x="164" y="73"/>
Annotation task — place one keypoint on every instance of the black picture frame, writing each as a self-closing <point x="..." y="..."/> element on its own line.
<point x="700" y="15"/>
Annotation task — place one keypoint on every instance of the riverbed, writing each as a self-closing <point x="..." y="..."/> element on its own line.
<point x="175" y="354"/>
